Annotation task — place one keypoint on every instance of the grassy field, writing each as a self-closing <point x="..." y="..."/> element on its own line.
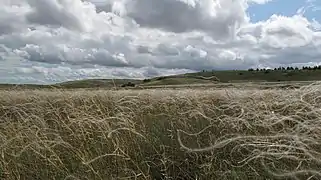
<point x="231" y="133"/>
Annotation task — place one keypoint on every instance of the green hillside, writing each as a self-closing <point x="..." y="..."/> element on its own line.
<point x="204" y="77"/>
<point x="262" y="75"/>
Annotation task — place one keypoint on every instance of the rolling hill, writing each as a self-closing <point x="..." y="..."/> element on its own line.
<point x="205" y="77"/>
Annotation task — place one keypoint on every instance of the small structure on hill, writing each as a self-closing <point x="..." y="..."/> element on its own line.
<point x="129" y="84"/>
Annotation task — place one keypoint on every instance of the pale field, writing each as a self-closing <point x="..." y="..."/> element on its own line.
<point x="231" y="133"/>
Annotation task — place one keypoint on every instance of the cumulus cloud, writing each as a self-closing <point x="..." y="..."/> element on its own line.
<point x="58" y="40"/>
<point x="68" y="13"/>
<point x="219" y="18"/>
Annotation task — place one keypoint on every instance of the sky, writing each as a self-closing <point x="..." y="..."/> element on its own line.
<point x="50" y="41"/>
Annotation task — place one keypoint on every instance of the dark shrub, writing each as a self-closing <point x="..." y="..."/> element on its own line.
<point x="146" y="80"/>
<point x="129" y="84"/>
<point x="160" y="78"/>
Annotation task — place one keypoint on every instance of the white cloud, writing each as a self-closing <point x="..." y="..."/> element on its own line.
<point x="57" y="40"/>
<point x="259" y="1"/>
<point x="220" y="18"/>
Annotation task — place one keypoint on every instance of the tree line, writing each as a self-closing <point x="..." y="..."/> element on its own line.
<point x="289" y="68"/>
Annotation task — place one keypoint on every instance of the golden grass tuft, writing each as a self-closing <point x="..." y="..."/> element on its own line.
<point x="161" y="134"/>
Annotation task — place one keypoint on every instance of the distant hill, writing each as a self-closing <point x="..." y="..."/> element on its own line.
<point x="85" y="83"/>
<point x="205" y="77"/>
<point x="92" y="83"/>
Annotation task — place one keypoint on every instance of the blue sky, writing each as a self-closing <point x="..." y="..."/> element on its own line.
<point x="260" y="12"/>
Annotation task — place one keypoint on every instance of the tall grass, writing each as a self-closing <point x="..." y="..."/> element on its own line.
<point x="161" y="134"/>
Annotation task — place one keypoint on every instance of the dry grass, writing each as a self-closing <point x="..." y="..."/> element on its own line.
<point x="155" y="134"/>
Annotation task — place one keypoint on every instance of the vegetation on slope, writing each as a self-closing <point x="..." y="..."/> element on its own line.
<point x="161" y="134"/>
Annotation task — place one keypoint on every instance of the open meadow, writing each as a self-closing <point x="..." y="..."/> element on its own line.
<point x="209" y="133"/>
